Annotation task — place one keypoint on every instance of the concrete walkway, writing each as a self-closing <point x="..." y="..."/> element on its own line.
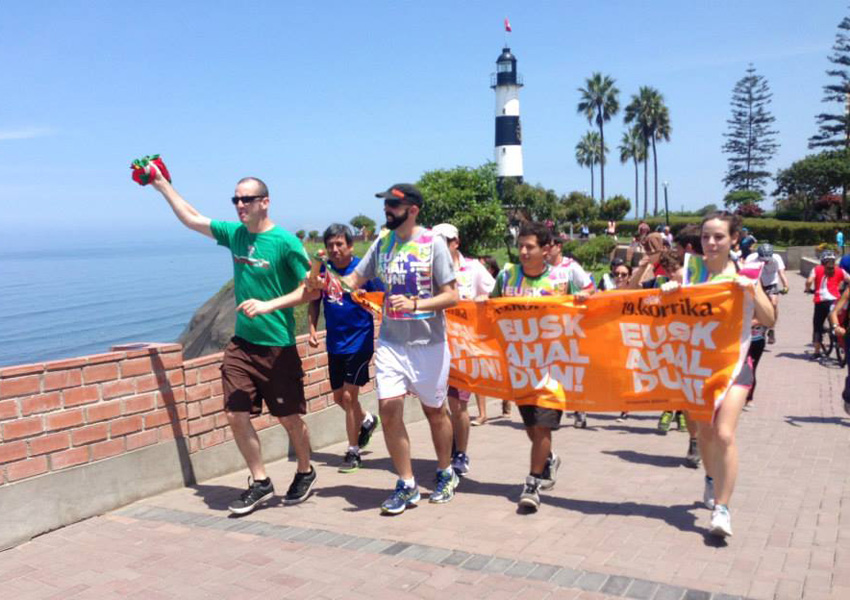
<point x="624" y="520"/>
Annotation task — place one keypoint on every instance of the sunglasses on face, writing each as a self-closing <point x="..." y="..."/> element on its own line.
<point x="394" y="203"/>
<point x="246" y="200"/>
<point x="621" y="274"/>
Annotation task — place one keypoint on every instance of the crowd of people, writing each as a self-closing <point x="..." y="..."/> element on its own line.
<point x="422" y="273"/>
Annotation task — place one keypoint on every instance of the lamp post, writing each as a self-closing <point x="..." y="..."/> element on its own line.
<point x="666" y="209"/>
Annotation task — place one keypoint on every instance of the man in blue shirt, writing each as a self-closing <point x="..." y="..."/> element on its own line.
<point x="839" y="239"/>
<point x="350" y="344"/>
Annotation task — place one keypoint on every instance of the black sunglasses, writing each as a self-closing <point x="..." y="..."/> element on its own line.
<point x="394" y="202"/>
<point x="245" y="199"/>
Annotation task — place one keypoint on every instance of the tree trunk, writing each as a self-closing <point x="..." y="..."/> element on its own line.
<point x="602" y="162"/>
<point x="592" y="192"/>
<point x="655" y="175"/>
<point x="645" y="184"/>
<point x="637" y="194"/>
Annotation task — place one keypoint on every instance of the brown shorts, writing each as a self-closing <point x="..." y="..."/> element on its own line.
<point x="252" y="373"/>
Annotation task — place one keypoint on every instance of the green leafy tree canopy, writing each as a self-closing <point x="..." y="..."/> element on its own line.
<point x="615" y="208"/>
<point x="467" y="198"/>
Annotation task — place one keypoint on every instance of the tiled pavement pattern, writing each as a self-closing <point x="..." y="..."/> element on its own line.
<point x="623" y="521"/>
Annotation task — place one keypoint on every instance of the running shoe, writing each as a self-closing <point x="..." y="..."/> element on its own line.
<point x="664" y="421"/>
<point x="478" y="421"/>
<point x="550" y="472"/>
<point x="771" y="336"/>
<point x="708" y="494"/>
<point x="623" y="416"/>
<point x="580" y="420"/>
<point x="721" y="522"/>
<point x="401" y="498"/>
<point x="692" y="458"/>
<point x="350" y="462"/>
<point x="302" y="485"/>
<point x="530" y="497"/>
<point x="366" y="431"/>
<point x="444" y="487"/>
<point x="682" y="423"/>
<point x="256" y="494"/>
<point x="460" y="463"/>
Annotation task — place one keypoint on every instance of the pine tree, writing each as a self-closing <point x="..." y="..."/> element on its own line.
<point x="750" y="141"/>
<point x="834" y="129"/>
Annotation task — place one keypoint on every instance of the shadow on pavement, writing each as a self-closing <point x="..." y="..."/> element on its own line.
<point x="217" y="497"/>
<point x="797" y="356"/>
<point x="680" y="516"/>
<point x="647" y="459"/>
<point x="795" y="421"/>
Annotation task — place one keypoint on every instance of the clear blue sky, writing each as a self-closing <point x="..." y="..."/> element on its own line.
<point x="330" y="102"/>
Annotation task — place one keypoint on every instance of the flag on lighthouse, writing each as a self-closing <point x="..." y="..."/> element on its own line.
<point x="507" y="25"/>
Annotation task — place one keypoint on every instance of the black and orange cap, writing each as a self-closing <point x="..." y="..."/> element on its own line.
<point x="402" y="191"/>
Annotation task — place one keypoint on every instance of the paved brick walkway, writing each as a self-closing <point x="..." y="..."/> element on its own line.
<point x="624" y="519"/>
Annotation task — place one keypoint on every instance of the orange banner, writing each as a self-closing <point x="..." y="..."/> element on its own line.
<point x="618" y="351"/>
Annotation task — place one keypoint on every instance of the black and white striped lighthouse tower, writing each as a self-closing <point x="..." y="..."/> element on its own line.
<point x="506" y="81"/>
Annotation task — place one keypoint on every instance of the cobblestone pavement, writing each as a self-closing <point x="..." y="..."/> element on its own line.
<point x="623" y="521"/>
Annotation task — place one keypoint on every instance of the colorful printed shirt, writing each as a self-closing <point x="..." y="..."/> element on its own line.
<point x="473" y="279"/>
<point x="416" y="268"/>
<point x="579" y="280"/>
<point x="265" y="266"/>
<point x="513" y="282"/>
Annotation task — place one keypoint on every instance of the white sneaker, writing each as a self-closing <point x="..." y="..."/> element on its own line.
<point x="708" y="494"/>
<point x="721" y="522"/>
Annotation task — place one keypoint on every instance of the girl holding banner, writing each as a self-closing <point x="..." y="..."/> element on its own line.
<point x="719" y="234"/>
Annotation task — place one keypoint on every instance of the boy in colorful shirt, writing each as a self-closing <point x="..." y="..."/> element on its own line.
<point x="413" y="352"/>
<point x="350" y="344"/>
<point x="473" y="282"/>
<point x="536" y="277"/>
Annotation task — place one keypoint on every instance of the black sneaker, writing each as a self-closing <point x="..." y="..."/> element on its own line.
<point x="302" y="485"/>
<point x="257" y="493"/>
<point x="351" y="462"/>
<point x="366" y="432"/>
<point x="692" y="459"/>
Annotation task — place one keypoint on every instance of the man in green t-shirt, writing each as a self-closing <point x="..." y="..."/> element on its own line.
<point x="261" y="361"/>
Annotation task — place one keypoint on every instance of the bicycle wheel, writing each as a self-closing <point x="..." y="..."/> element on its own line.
<point x="840" y="355"/>
<point x="826" y="340"/>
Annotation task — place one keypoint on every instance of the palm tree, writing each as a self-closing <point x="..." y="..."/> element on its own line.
<point x="599" y="102"/>
<point x="632" y="148"/>
<point x="652" y="118"/>
<point x="589" y="153"/>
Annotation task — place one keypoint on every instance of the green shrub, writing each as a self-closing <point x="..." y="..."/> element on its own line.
<point x="590" y="252"/>
<point x="775" y="231"/>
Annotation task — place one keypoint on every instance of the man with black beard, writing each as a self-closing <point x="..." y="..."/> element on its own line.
<point x="416" y="269"/>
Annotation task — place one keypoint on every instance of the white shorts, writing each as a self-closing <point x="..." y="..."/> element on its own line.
<point x="422" y="370"/>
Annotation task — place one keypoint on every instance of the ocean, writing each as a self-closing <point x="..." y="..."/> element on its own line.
<point x="70" y="301"/>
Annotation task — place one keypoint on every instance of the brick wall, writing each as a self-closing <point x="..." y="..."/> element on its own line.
<point x="60" y="414"/>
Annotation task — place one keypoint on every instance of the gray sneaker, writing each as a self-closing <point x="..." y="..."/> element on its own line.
<point x="708" y="494"/>
<point x="444" y="487"/>
<point x="530" y="497"/>
<point x="550" y="472"/>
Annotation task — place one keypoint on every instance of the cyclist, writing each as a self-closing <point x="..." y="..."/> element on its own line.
<point x="824" y="281"/>
<point x="772" y="274"/>
<point x="838" y="321"/>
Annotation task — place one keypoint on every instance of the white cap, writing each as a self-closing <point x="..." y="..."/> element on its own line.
<point x="446" y="230"/>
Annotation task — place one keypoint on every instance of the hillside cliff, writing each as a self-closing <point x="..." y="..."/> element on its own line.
<point x="212" y="325"/>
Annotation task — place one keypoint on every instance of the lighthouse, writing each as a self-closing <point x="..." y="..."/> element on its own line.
<point x="506" y="81"/>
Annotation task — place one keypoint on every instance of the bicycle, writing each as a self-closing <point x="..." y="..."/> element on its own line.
<point x="830" y="342"/>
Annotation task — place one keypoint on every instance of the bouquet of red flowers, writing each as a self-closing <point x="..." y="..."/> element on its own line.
<point x="145" y="168"/>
